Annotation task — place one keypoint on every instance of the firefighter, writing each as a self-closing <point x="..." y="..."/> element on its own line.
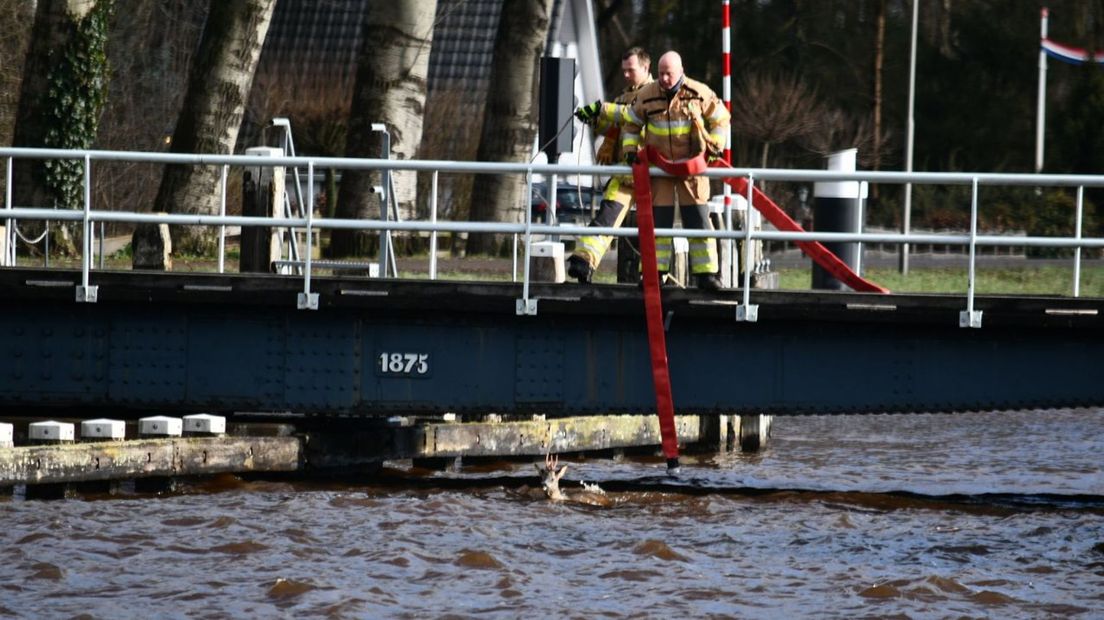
<point x="682" y="118"/>
<point x="606" y="119"/>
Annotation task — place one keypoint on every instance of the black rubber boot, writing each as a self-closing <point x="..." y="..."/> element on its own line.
<point x="708" y="281"/>
<point x="580" y="269"/>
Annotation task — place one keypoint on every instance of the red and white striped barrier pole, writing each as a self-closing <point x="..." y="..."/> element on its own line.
<point x="726" y="96"/>
<point x="726" y="73"/>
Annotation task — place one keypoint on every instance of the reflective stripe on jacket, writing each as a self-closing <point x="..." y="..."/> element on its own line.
<point x="611" y="117"/>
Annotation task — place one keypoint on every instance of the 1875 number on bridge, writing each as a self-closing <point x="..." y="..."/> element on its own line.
<point x="403" y="364"/>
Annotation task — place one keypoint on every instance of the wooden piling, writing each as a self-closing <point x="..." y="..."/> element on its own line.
<point x="754" y="431"/>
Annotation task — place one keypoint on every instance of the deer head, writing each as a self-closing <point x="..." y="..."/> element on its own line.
<point x="550" y="477"/>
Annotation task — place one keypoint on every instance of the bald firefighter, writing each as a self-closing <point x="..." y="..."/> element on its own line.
<point x="607" y="119"/>
<point x="682" y="118"/>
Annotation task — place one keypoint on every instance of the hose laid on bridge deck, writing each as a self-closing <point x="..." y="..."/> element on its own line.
<point x="775" y="215"/>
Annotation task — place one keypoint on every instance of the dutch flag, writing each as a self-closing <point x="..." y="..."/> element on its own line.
<point x="1072" y="55"/>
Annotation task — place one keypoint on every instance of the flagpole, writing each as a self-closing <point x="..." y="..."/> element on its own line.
<point x="1040" y="118"/>
<point x="906" y="219"/>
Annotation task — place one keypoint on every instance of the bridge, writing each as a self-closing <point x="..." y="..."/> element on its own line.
<point x="133" y="342"/>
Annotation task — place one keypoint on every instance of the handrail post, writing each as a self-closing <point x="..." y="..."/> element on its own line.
<point x="307" y="299"/>
<point x="730" y="243"/>
<point x="746" y="311"/>
<point x="433" y="233"/>
<point x="222" y="227"/>
<point x="385" y="199"/>
<point x="1077" y="235"/>
<point x="9" y="229"/>
<point x="526" y="306"/>
<point x="971" y="317"/>
<point x="86" y="292"/>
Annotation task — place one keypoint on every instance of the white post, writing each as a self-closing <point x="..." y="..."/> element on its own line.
<point x="1040" y="113"/>
<point x="222" y="213"/>
<point x="906" y="221"/>
<point x="307" y="299"/>
<point x="1077" y="234"/>
<point x="9" y="230"/>
<point x="433" y="235"/>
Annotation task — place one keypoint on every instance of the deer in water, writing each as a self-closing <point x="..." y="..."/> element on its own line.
<point x="550" y="481"/>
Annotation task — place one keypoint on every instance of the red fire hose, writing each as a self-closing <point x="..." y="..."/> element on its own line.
<point x="653" y="308"/>
<point x="653" y="311"/>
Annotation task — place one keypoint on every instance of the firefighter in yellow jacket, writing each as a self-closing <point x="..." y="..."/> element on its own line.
<point x="607" y="119"/>
<point x="681" y="118"/>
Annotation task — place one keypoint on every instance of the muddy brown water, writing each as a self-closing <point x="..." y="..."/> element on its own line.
<point x="911" y="516"/>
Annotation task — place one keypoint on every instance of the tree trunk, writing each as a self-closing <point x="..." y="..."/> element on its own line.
<point x="16" y="21"/>
<point x="510" y="119"/>
<point x="219" y="85"/>
<point x="390" y="88"/>
<point x="62" y="95"/>
<point x="879" y="63"/>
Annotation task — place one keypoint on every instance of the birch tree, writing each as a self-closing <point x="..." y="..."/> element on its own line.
<point x="16" y="18"/>
<point x="390" y="89"/>
<point x="218" y="88"/>
<point x="510" y="119"/>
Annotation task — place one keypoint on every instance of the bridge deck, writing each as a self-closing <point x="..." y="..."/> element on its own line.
<point x="157" y="342"/>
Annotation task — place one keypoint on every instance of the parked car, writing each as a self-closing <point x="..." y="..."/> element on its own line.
<point x="573" y="203"/>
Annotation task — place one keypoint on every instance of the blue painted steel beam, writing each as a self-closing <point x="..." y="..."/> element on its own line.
<point x="377" y="348"/>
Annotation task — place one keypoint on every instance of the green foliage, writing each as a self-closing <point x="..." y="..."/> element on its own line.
<point x="75" y="98"/>
<point x="1028" y="279"/>
<point x="124" y="253"/>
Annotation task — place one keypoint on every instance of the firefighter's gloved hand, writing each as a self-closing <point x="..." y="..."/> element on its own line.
<point x="589" y="113"/>
<point x="630" y="158"/>
<point x="712" y="156"/>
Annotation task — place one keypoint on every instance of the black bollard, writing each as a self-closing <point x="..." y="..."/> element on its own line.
<point x="837" y="207"/>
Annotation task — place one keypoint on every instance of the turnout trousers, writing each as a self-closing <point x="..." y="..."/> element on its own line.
<point x="611" y="213"/>
<point x="703" y="250"/>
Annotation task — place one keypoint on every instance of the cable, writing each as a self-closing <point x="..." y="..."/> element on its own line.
<point x="551" y="140"/>
<point x="578" y="189"/>
<point x="15" y="227"/>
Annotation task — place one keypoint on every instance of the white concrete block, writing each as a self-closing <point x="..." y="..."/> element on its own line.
<point x="160" y="426"/>
<point x="102" y="428"/>
<point x="51" y="431"/>
<point x="553" y="249"/>
<point x="205" y="423"/>
<point x="546" y="262"/>
<point x="7" y="435"/>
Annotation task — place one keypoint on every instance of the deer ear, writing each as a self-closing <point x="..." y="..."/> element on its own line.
<point x="538" y="468"/>
<point x="563" y="470"/>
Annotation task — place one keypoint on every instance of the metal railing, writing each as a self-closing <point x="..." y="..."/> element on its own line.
<point x="745" y="311"/>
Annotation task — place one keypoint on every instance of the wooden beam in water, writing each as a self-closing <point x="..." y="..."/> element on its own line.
<point x="533" y="437"/>
<point x="147" y="457"/>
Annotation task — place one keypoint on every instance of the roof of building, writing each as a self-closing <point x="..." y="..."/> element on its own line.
<point x="324" y="37"/>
